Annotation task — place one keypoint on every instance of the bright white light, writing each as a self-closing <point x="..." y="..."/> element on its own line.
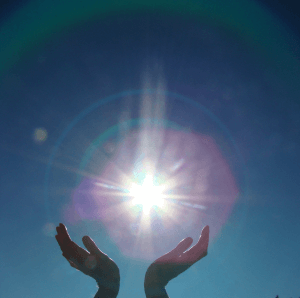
<point x="147" y="194"/>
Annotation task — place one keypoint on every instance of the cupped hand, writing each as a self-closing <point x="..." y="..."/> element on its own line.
<point x="176" y="261"/>
<point x="93" y="262"/>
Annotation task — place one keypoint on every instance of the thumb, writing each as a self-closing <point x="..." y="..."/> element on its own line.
<point x="91" y="246"/>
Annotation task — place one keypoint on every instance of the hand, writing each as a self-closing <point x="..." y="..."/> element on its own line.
<point x="93" y="262"/>
<point x="176" y="261"/>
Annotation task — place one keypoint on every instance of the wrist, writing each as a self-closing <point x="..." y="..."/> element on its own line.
<point x="105" y="293"/>
<point x="107" y="290"/>
<point x="108" y="287"/>
<point x="155" y="292"/>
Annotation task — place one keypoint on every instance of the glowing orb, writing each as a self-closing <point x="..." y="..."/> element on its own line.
<point x="40" y="135"/>
<point x="147" y="195"/>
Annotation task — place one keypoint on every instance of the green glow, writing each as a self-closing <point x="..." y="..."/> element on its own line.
<point x="39" y="21"/>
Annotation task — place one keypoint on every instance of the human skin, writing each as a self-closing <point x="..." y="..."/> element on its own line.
<point x="92" y="262"/>
<point x="173" y="263"/>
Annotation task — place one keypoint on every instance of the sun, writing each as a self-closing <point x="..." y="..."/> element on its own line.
<point x="147" y="194"/>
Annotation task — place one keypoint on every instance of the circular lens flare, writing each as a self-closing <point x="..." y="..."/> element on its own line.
<point x="147" y="195"/>
<point x="160" y="180"/>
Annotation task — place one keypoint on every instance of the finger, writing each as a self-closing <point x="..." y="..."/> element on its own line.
<point x="71" y="251"/>
<point x="62" y="237"/>
<point x="182" y="246"/>
<point x="59" y="241"/>
<point x="76" y="258"/>
<point x="70" y="262"/>
<point x="64" y="232"/>
<point x="200" y="249"/>
<point x="204" y="238"/>
<point x="77" y="254"/>
<point x="92" y="247"/>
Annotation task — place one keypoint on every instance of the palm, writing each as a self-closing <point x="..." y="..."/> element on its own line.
<point x="177" y="261"/>
<point x="92" y="262"/>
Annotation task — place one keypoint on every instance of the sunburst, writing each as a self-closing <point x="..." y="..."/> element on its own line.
<point x="147" y="194"/>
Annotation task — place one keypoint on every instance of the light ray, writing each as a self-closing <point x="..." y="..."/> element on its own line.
<point x="147" y="194"/>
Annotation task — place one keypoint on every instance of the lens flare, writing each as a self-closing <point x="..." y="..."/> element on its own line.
<point x="40" y="135"/>
<point x="147" y="195"/>
<point x="149" y="179"/>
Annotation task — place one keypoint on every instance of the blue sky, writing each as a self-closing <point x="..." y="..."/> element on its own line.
<point x="76" y="82"/>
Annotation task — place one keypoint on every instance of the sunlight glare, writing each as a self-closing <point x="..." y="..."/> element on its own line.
<point x="148" y="195"/>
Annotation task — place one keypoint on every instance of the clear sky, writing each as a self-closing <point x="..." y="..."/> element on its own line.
<point x="203" y="95"/>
